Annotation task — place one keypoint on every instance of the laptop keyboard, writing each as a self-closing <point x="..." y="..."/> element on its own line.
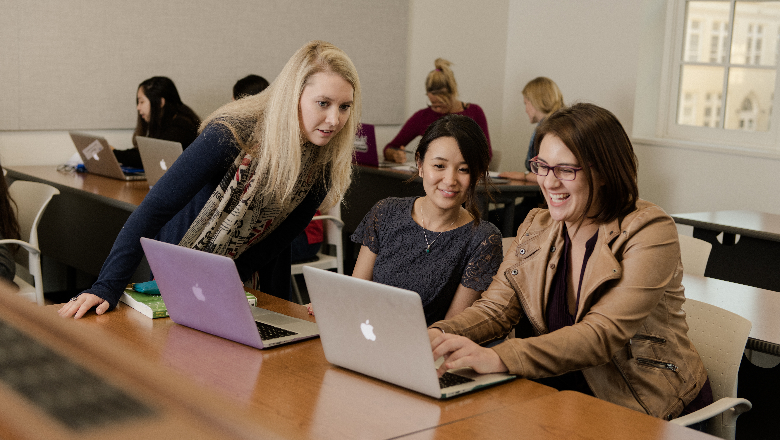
<point x="450" y="380"/>
<point x="268" y="332"/>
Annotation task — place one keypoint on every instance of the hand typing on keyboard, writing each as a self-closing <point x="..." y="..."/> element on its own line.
<point x="460" y="352"/>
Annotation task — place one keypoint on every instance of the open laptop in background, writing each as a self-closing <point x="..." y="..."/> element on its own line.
<point x="204" y="291"/>
<point x="157" y="156"/>
<point x="383" y="334"/>
<point x="365" y="146"/>
<point x="99" y="159"/>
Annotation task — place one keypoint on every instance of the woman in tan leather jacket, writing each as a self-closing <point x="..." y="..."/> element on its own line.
<point x="593" y="283"/>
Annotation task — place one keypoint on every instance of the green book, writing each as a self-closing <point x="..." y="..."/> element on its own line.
<point x="153" y="305"/>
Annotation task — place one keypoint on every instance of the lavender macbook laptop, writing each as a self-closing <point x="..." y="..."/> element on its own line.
<point x="204" y="291"/>
<point x="383" y="334"/>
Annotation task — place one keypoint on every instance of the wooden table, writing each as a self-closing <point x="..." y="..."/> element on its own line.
<point x="564" y="415"/>
<point x="80" y="225"/>
<point x="293" y="390"/>
<point x="754" y="259"/>
<point x="761" y="307"/>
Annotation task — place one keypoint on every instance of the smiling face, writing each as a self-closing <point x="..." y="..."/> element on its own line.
<point x="143" y="105"/>
<point x="566" y="200"/>
<point x="445" y="174"/>
<point x="325" y="106"/>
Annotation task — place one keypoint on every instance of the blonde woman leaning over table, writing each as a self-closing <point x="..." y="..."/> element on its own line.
<point x="442" y="92"/>
<point x="272" y="158"/>
<point x="594" y="282"/>
<point x="432" y="245"/>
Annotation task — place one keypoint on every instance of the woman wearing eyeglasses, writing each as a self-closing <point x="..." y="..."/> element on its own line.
<point x="593" y="283"/>
<point x="442" y="92"/>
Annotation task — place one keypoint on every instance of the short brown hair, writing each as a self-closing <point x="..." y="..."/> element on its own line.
<point x="596" y="138"/>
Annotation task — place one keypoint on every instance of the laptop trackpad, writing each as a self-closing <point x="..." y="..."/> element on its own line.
<point x="272" y="318"/>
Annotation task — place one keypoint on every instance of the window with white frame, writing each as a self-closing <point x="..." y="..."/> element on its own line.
<point x="724" y="72"/>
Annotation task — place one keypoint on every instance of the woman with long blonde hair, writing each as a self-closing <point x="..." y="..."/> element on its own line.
<point x="252" y="180"/>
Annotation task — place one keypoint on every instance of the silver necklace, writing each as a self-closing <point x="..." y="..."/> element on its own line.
<point x="428" y="245"/>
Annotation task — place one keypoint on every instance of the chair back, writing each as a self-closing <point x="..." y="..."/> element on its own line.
<point x="333" y="235"/>
<point x="31" y="199"/>
<point x="720" y="337"/>
<point x="694" y="253"/>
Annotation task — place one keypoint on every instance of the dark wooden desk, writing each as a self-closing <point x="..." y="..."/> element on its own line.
<point x="564" y="415"/>
<point x="372" y="184"/>
<point x="760" y="306"/>
<point x="754" y="259"/>
<point x="80" y="225"/>
<point x="292" y="389"/>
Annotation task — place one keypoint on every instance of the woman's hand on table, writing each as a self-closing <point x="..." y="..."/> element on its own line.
<point x="79" y="305"/>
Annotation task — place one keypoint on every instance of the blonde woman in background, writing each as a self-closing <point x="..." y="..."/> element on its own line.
<point x="541" y="97"/>
<point x="252" y="180"/>
<point x="442" y="92"/>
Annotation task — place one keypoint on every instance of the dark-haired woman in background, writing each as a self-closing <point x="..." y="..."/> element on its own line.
<point x="432" y="245"/>
<point x="161" y="115"/>
<point x="594" y="281"/>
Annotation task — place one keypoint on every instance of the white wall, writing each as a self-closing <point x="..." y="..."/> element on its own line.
<point x="600" y="51"/>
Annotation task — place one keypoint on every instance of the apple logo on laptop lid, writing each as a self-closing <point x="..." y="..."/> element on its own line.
<point x="198" y="292"/>
<point x="163" y="165"/>
<point x="368" y="330"/>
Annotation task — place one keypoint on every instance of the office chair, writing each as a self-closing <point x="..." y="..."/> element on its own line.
<point x="719" y="336"/>
<point x="694" y="253"/>
<point x="332" y="227"/>
<point x="31" y="200"/>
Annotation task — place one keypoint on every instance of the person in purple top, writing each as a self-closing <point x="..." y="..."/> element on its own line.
<point x="442" y="91"/>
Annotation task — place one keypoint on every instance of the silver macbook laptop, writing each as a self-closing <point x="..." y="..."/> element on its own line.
<point x="157" y="156"/>
<point x="99" y="159"/>
<point x="382" y="333"/>
<point x="204" y="291"/>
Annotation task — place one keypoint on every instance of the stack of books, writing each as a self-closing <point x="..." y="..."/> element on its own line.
<point x="153" y="305"/>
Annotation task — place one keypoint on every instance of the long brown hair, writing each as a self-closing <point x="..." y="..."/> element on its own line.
<point x="9" y="225"/>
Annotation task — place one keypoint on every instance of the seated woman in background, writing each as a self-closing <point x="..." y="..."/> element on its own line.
<point x="9" y="229"/>
<point x="594" y="282"/>
<point x="542" y="97"/>
<point x="433" y="245"/>
<point x="442" y="92"/>
<point x="161" y="115"/>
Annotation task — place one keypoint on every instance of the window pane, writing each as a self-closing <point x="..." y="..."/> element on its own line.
<point x="749" y="100"/>
<point x="755" y="38"/>
<point x="700" y="96"/>
<point x="706" y="32"/>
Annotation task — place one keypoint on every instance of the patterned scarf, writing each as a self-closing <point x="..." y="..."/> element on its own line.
<point x="236" y="215"/>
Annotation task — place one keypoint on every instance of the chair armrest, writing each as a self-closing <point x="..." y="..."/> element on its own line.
<point x="739" y="406"/>
<point x="335" y="220"/>
<point x="30" y="248"/>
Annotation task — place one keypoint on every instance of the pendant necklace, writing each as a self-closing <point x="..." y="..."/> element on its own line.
<point x="428" y="245"/>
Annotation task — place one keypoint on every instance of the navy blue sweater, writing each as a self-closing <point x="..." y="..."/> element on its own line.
<point x="175" y="201"/>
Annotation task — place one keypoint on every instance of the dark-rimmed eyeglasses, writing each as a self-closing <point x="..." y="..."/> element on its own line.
<point x="562" y="172"/>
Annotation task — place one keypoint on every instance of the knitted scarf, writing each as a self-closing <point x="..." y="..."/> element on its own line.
<point x="237" y="215"/>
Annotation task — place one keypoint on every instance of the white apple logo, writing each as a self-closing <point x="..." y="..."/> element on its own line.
<point x="96" y="157"/>
<point x="368" y="330"/>
<point x="163" y="165"/>
<point x="198" y="292"/>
